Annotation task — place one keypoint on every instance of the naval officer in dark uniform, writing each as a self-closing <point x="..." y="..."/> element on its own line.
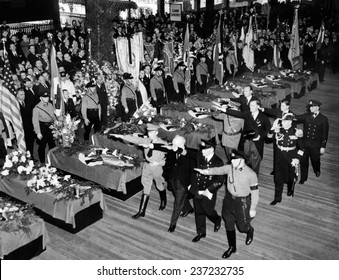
<point x="241" y="199"/>
<point x="43" y="117"/>
<point x="204" y="189"/>
<point x="287" y="155"/>
<point x="316" y="129"/>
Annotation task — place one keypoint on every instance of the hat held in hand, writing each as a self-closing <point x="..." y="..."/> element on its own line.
<point x="249" y="134"/>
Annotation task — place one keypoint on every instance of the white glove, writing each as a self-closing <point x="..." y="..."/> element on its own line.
<point x="253" y="213"/>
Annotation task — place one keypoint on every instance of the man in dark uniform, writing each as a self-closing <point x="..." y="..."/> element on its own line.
<point x="26" y="115"/>
<point x="43" y="117"/>
<point x="241" y="199"/>
<point x="158" y="91"/>
<point x="179" y="82"/>
<point x="103" y="98"/>
<point x="147" y="80"/>
<point x="316" y="129"/>
<point x="204" y="189"/>
<point x="287" y="156"/>
<point x="91" y="110"/>
<point x="323" y="57"/>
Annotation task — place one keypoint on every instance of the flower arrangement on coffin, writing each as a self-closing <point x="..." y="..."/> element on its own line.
<point x="63" y="129"/>
<point x="144" y="114"/>
<point x="48" y="179"/>
<point x="18" y="163"/>
<point x="122" y="128"/>
<point x="16" y="217"/>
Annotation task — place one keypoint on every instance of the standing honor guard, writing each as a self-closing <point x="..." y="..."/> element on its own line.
<point x="43" y="117"/>
<point x="158" y="89"/>
<point x="128" y="98"/>
<point x="202" y="74"/>
<point x="287" y="139"/>
<point x="179" y="82"/>
<point x="241" y="200"/>
<point x="316" y="129"/>
<point x="204" y="189"/>
<point x="91" y="110"/>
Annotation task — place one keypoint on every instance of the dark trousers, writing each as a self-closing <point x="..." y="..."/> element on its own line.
<point x="236" y="210"/>
<point x="278" y="190"/>
<point x="47" y="138"/>
<point x="94" y="120"/>
<point x="29" y="140"/>
<point x="161" y="99"/>
<point x="321" y="70"/>
<point x="201" y="88"/>
<point x="203" y="207"/>
<point x="180" y="200"/>
<point x="132" y="107"/>
<point x="312" y="152"/>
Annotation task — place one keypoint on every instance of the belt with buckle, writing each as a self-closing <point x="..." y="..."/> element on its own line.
<point x="232" y="133"/>
<point x="286" y="149"/>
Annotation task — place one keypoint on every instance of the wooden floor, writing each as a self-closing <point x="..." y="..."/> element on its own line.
<point x="303" y="227"/>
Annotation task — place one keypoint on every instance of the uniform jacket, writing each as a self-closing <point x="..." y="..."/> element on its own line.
<point x="315" y="129"/>
<point x="202" y="182"/>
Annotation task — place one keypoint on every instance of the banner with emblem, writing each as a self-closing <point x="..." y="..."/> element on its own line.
<point x="168" y="57"/>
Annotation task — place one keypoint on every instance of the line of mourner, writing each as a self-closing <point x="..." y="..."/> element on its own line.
<point x="197" y="175"/>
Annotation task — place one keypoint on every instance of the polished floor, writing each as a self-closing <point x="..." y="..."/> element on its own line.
<point x="303" y="227"/>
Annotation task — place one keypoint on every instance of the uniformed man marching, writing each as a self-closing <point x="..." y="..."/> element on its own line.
<point x="241" y="200"/>
<point x="316" y="129"/>
<point x="287" y="155"/>
<point x="179" y="82"/>
<point x="204" y="189"/>
<point x="43" y="117"/>
<point x="91" y="110"/>
<point x="158" y="89"/>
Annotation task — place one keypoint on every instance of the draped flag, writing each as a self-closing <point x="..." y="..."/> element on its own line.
<point x="149" y="48"/>
<point x="242" y="34"/>
<point x="55" y="83"/>
<point x="187" y="60"/>
<point x="235" y="51"/>
<point x="248" y="53"/>
<point x="9" y="106"/>
<point x="168" y="57"/>
<point x="137" y="51"/>
<point x="218" y="67"/>
<point x="294" y="51"/>
<point x="321" y="36"/>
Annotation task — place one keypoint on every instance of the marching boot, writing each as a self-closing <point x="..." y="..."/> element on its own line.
<point x="231" y="238"/>
<point x="143" y="206"/>
<point x="163" y="200"/>
<point x="249" y="237"/>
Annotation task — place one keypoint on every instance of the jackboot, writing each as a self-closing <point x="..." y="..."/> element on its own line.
<point x="231" y="238"/>
<point x="249" y="236"/>
<point x="163" y="200"/>
<point x="142" y="208"/>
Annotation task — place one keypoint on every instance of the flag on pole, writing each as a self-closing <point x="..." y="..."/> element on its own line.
<point x="218" y="66"/>
<point x="242" y="34"/>
<point x="9" y="106"/>
<point x="56" y="97"/>
<point x="235" y="51"/>
<point x="276" y="56"/>
<point x="187" y="61"/>
<point x="321" y="36"/>
<point x="248" y="53"/>
<point x="294" y="51"/>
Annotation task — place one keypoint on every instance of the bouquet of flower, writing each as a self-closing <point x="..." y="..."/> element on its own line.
<point x="145" y="114"/>
<point x="63" y="130"/>
<point x="18" y="163"/>
<point x="44" y="179"/>
<point x="15" y="216"/>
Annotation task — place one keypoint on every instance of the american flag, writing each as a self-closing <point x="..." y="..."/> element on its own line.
<point x="9" y="106"/>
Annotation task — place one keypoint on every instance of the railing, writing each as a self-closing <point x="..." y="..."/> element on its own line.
<point x="27" y="27"/>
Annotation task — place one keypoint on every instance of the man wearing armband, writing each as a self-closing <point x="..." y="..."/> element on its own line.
<point x="241" y="198"/>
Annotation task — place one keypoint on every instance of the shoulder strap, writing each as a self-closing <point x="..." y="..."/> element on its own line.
<point x="45" y="112"/>
<point x="96" y="103"/>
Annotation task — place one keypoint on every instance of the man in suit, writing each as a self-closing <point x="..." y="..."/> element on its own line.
<point x="43" y="85"/>
<point x="316" y="129"/>
<point x="14" y="57"/>
<point x="180" y="164"/>
<point x="103" y="98"/>
<point x="32" y="57"/>
<point x="147" y="80"/>
<point x="32" y="97"/>
<point x="26" y="112"/>
<point x="204" y="189"/>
